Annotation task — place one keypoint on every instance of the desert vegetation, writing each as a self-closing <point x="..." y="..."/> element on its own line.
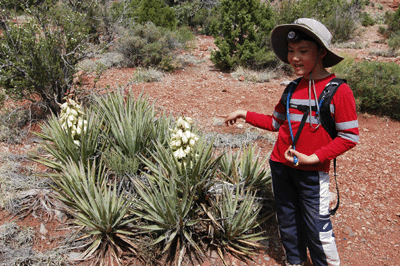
<point x="133" y="180"/>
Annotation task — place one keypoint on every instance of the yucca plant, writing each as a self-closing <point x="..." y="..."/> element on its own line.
<point x="99" y="208"/>
<point x="61" y="145"/>
<point x="133" y="122"/>
<point x="170" y="215"/>
<point x="237" y="214"/>
<point x="246" y="168"/>
<point x="199" y="168"/>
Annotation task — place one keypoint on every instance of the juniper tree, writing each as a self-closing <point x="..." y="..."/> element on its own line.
<point x="155" y="11"/>
<point x="242" y="34"/>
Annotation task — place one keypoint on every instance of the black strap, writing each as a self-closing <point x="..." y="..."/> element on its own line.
<point x="333" y="211"/>
<point x="303" y="121"/>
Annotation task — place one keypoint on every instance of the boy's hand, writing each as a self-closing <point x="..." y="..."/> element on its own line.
<point x="231" y="118"/>
<point x="303" y="159"/>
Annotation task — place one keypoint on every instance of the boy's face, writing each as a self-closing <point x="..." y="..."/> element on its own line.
<point x="303" y="57"/>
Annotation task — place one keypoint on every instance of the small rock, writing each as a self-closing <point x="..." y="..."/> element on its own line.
<point x="242" y="78"/>
<point x="43" y="229"/>
<point x="61" y="216"/>
<point x="214" y="255"/>
<point x="74" y="256"/>
<point x="386" y="172"/>
<point x="347" y="230"/>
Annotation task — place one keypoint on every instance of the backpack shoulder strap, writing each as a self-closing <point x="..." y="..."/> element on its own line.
<point x="289" y="88"/>
<point x="324" y="100"/>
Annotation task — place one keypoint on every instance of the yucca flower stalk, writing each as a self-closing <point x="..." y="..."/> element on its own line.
<point x="182" y="139"/>
<point x="200" y="168"/>
<point x="72" y="118"/>
<point x="61" y="146"/>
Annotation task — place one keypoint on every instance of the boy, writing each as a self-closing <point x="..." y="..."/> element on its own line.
<point x="300" y="175"/>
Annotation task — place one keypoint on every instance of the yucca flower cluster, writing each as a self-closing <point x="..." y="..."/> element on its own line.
<point x="72" y="117"/>
<point x="182" y="139"/>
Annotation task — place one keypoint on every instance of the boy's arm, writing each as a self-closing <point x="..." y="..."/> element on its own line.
<point x="269" y="122"/>
<point x="346" y="124"/>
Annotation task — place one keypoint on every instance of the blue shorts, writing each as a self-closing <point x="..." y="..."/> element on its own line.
<point x="302" y="207"/>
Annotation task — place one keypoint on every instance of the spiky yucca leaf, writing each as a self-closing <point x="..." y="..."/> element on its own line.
<point x="254" y="172"/>
<point x="238" y="214"/>
<point x="245" y="167"/>
<point x="100" y="209"/>
<point x="170" y="214"/>
<point x="134" y="123"/>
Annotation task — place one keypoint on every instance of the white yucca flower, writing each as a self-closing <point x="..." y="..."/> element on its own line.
<point x="182" y="140"/>
<point x="187" y="150"/>
<point x="72" y="118"/>
<point x="192" y="142"/>
<point x="179" y="153"/>
<point x="189" y="120"/>
<point x="185" y="139"/>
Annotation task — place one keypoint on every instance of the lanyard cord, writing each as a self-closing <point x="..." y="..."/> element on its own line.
<point x="295" y="159"/>
<point x="311" y="83"/>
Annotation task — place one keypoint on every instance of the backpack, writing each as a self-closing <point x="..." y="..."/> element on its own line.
<point x="324" y="100"/>
<point x="327" y="121"/>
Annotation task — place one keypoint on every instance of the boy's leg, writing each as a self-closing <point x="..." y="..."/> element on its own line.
<point x="315" y="197"/>
<point x="288" y="213"/>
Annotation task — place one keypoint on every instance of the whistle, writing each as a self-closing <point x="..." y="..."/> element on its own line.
<point x="295" y="160"/>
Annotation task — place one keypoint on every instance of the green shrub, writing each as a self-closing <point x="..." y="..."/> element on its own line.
<point x="242" y="33"/>
<point x="12" y="123"/>
<point x="148" y="45"/>
<point x="288" y="11"/>
<point x="196" y="14"/>
<point x="367" y="20"/>
<point x="38" y="57"/>
<point x="155" y="11"/>
<point x="376" y="86"/>
<point x="394" y="41"/>
<point x="147" y="75"/>
<point x="339" y="16"/>
<point x="392" y="20"/>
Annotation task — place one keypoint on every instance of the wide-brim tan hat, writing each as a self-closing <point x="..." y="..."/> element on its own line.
<point x="312" y="28"/>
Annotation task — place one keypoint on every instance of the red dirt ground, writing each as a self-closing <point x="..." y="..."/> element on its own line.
<point x="367" y="224"/>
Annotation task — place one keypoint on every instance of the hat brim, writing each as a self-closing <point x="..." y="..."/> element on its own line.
<point x="279" y="44"/>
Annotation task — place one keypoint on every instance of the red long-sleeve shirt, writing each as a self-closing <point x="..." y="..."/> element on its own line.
<point x="311" y="140"/>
